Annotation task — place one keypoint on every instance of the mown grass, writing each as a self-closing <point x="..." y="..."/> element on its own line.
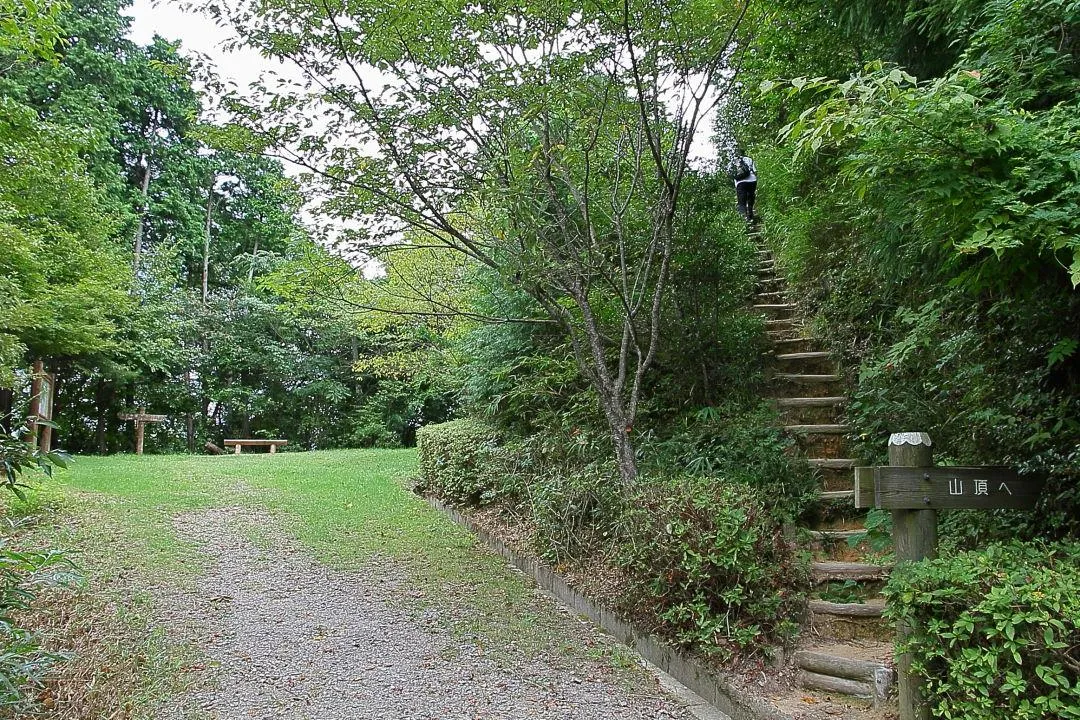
<point x="351" y="508"/>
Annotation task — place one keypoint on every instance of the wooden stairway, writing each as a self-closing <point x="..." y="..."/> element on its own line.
<point x="846" y="648"/>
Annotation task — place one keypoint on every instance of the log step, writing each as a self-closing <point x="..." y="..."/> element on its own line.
<point x="840" y="686"/>
<point x="825" y="571"/>
<point x="835" y="534"/>
<point x="816" y="355"/>
<point x="835" y="661"/>
<point x="818" y="429"/>
<point x="834" y="495"/>
<point x="775" y="294"/>
<point x="797" y="377"/>
<point x="871" y="609"/>
<point x="810" y="402"/>
<point x="782" y="306"/>
<point x="776" y="323"/>
<point x="832" y="463"/>
<point x="828" y="668"/>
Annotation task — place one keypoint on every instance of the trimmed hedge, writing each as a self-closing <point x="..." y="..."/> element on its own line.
<point x="996" y="633"/>
<point x="460" y="461"/>
<point x="715" y="564"/>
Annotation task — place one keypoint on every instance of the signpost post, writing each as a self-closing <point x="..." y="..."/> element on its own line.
<point x="914" y="490"/>
<point x="141" y="418"/>
<point x="41" y="406"/>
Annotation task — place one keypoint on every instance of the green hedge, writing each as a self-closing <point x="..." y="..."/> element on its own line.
<point x="996" y="633"/>
<point x="460" y="461"/>
<point x="713" y="560"/>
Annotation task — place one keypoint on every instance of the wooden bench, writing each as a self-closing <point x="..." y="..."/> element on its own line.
<point x="238" y="443"/>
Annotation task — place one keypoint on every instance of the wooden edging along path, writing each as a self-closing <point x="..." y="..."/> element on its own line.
<point x="712" y="687"/>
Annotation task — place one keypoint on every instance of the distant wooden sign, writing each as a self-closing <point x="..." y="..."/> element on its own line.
<point x="141" y="418"/>
<point x="42" y="391"/>
<point x="944" y="488"/>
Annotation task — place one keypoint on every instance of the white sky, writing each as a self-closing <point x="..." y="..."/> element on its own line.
<point x="197" y="34"/>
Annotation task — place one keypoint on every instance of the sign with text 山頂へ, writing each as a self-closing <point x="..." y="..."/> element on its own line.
<point x="942" y="488"/>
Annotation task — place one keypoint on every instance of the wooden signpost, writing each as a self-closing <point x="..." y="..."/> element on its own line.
<point x="944" y="488"/>
<point x="141" y="418"/>
<point x="913" y="489"/>
<point x="42" y="388"/>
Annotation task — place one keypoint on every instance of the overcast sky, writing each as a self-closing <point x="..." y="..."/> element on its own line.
<point x="196" y="33"/>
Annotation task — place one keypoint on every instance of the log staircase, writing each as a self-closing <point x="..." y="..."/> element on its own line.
<point x="846" y="648"/>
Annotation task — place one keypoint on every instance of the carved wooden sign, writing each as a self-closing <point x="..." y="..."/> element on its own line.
<point x="939" y="488"/>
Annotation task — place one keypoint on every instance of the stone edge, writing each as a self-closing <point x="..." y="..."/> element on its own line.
<point x="713" y="688"/>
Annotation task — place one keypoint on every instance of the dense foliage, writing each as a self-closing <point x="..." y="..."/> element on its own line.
<point x="459" y="461"/>
<point x="715" y="564"/>
<point x="995" y="632"/>
<point x="148" y="267"/>
<point x="706" y="553"/>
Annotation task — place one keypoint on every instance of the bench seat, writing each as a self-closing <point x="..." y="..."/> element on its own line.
<point x="239" y="443"/>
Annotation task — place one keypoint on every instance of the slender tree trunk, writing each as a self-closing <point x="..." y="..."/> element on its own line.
<point x="251" y="267"/>
<point x="142" y="212"/>
<point x="617" y="412"/>
<point x="7" y="401"/>
<point x="206" y="245"/>
<point x="189" y="417"/>
<point x="103" y="394"/>
<point x="58" y="406"/>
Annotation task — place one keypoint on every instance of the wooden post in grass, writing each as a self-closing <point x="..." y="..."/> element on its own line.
<point x="141" y="418"/>
<point x="915" y="537"/>
<point x="42" y="390"/>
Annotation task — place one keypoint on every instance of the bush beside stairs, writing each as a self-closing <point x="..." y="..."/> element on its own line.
<point x="846" y="647"/>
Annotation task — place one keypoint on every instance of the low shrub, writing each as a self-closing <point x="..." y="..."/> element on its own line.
<point x="742" y="443"/>
<point x="575" y="513"/>
<point x="24" y="663"/>
<point x="460" y="461"/>
<point x="996" y="633"/>
<point x="714" y="562"/>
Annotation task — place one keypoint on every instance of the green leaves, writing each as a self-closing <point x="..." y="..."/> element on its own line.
<point x="713" y="560"/>
<point x="1008" y="618"/>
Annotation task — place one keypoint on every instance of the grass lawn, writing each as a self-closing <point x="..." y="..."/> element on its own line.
<point x="350" y="507"/>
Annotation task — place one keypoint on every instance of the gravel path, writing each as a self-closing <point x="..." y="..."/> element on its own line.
<point x="289" y="638"/>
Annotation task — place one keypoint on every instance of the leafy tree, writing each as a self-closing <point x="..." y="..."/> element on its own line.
<point x="57" y="261"/>
<point x="548" y="143"/>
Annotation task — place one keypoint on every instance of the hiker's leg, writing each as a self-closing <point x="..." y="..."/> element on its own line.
<point x="740" y="195"/>
<point x="751" y="196"/>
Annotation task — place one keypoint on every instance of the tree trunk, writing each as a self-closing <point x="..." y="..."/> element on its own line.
<point x="142" y="212"/>
<point x="7" y="402"/>
<point x="189" y="417"/>
<point x="619" y="415"/>
<point x="206" y="245"/>
<point x="251" y="267"/>
<point x="103" y="398"/>
<point x="60" y="372"/>
<point x="625" y="454"/>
